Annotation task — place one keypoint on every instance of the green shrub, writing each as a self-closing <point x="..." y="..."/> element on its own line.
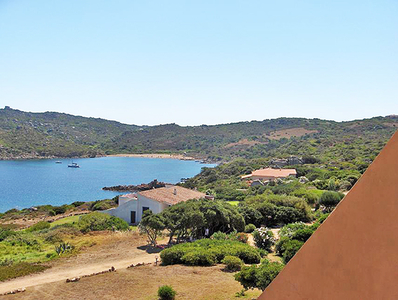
<point x="250" y="214"/>
<point x="57" y="233"/>
<point x="248" y="255"/>
<point x="221" y="236"/>
<point x="258" y="277"/>
<point x="103" y="204"/>
<point x="217" y="249"/>
<point x="62" y="209"/>
<point x="39" y="226"/>
<point x="304" y="234"/>
<point x="77" y="203"/>
<point x="199" y="258"/>
<point x="322" y="218"/>
<point x="345" y="185"/>
<point x="286" y="215"/>
<point x="247" y="277"/>
<point x="280" y="245"/>
<point x="24" y="239"/>
<point x="280" y="209"/>
<point x="172" y="256"/>
<point x="250" y="228"/>
<point x="4" y="233"/>
<point x="311" y="196"/>
<point x="264" y="238"/>
<point x="330" y="199"/>
<point x="289" y="229"/>
<point x="166" y="292"/>
<point x="290" y="249"/>
<point x="232" y="263"/>
<point x="266" y="272"/>
<point x="97" y="221"/>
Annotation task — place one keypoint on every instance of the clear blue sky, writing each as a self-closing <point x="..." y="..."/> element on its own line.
<point x="200" y="62"/>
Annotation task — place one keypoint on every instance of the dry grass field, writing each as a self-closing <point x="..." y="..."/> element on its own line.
<point x="142" y="283"/>
<point x="120" y="250"/>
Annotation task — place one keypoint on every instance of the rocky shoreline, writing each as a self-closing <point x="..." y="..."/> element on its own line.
<point x="136" y="188"/>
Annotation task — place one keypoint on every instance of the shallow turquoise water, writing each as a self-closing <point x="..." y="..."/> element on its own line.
<point x="29" y="183"/>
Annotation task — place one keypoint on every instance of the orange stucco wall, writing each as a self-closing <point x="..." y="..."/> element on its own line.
<point x="354" y="254"/>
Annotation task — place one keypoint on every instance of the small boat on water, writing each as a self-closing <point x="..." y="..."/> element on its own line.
<point x="73" y="165"/>
<point x="58" y="162"/>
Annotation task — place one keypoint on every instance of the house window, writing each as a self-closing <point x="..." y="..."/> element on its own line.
<point x="144" y="208"/>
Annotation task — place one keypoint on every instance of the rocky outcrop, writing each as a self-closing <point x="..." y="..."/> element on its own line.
<point x="136" y="188"/>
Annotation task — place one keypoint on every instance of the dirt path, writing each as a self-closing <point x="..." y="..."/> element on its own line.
<point x="117" y="249"/>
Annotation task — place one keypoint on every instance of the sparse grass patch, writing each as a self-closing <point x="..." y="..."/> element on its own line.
<point x="20" y="269"/>
<point x="67" y="220"/>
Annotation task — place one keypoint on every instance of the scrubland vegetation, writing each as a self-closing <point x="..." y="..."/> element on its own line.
<point x="27" y="251"/>
<point x="252" y="231"/>
<point x="24" y="134"/>
<point x="46" y="211"/>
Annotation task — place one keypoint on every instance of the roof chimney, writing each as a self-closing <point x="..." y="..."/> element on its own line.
<point x="175" y="191"/>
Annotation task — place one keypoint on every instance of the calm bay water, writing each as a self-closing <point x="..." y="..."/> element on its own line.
<point x="29" y="183"/>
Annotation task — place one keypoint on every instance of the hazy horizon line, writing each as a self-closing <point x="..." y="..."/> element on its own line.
<point x="198" y="125"/>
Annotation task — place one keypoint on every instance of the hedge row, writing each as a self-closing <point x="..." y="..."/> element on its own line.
<point x="208" y="252"/>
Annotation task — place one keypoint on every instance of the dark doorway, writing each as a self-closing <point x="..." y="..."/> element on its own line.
<point x="132" y="217"/>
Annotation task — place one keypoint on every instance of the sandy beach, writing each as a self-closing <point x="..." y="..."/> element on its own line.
<point x="155" y="155"/>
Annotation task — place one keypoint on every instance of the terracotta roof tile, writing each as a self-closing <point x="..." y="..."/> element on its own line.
<point x="269" y="172"/>
<point x="172" y="195"/>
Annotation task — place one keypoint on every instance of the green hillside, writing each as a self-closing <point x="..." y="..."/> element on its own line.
<point x="24" y="134"/>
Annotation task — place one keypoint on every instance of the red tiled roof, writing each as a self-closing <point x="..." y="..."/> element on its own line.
<point x="269" y="172"/>
<point x="172" y="195"/>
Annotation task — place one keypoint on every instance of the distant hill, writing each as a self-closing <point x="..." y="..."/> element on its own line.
<point x="51" y="134"/>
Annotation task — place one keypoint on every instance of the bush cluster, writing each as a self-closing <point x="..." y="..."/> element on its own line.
<point x="4" y="233"/>
<point x="293" y="236"/>
<point x="258" y="276"/>
<point x="271" y="210"/>
<point x="232" y="263"/>
<point x="39" y="226"/>
<point x="208" y="252"/>
<point x="330" y="199"/>
<point x="97" y="221"/>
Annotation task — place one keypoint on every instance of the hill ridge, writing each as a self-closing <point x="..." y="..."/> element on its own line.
<point x="53" y="134"/>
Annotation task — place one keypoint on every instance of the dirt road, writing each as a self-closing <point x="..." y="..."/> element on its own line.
<point x="117" y="249"/>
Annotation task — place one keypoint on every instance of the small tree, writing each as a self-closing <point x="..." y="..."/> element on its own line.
<point x="151" y="225"/>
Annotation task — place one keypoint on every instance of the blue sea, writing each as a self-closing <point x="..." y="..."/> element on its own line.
<point x="27" y="183"/>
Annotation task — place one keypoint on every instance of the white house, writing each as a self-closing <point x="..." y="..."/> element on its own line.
<point x="132" y="206"/>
